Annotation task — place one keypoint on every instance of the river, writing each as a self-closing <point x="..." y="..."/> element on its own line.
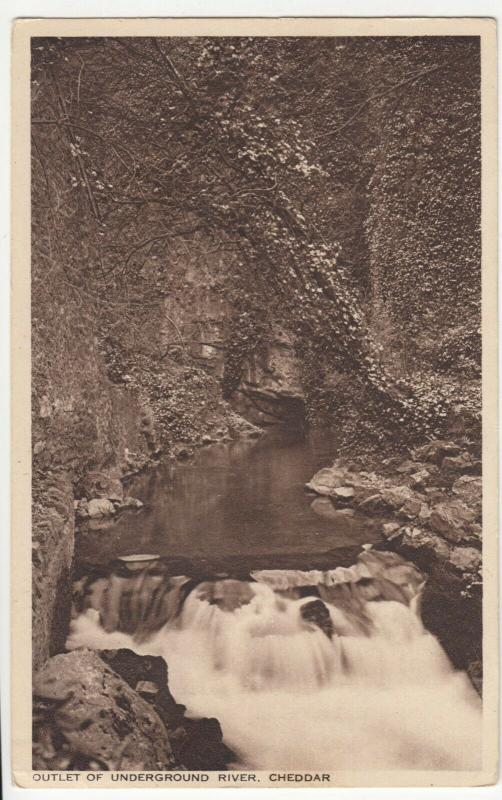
<point x="306" y="646"/>
<point x="238" y="503"/>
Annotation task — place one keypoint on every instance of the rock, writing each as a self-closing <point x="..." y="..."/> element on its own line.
<point x="323" y="507"/>
<point x="39" y="446"/>
<point x="317" y="613"/>
<point x="457" y="464"/>
<point x="147" y="689"/>
<point x="475" y="673"/>
<point x="435" y="451"/>
<point x="196" y="743"/>
<point x="100" y="507"/>
<point x="104" y="485"/>
<point x="418" y="539"/>
<point x="81" y="509"/>
<point x="469" y="488"/>
<point x="419" y="479"/>
<point x="327" y="480"/>
<point x="451" y="520"/>
<point x="93" y="719"/>
<point x="345" y="513"/>
<point x="389" y="529"/>
<point x="411" y="508"/>
<point x="395" y="497"/>
<point x="407" y="466"/>
<point x="206" y="439"/>
<point x="344" y="493"/>
<point x="425" y="512"/>
<point x="467" y="559"/>
<point x="372" y="504"/>
<point x="130" y="502"/>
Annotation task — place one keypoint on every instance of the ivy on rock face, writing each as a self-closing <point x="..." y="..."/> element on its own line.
<point x="171" y="139"/>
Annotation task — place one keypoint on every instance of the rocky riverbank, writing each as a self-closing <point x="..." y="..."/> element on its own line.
<point x="112" y="710"/>
<point x="429" y="506"/>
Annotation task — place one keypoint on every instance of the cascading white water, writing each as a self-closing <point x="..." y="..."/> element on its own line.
<point x="371" y="690"/>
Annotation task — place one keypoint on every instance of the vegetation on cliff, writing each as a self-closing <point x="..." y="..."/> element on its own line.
<point x="325" y="188"/>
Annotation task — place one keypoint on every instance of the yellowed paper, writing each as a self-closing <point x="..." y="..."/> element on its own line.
<point x="305" y="631"/>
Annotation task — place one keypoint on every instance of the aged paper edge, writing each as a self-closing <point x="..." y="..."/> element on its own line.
<point x="23" y="30"/>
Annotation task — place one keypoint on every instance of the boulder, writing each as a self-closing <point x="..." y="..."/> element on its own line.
<point x="196" y="743"/>
<point x="323" y="507"/>
<point x="344" y="493"/>
<point x="435" y="451"/>
<point x="418" y="539"/>
<point x="87" y="717"/>
<point x="466" y="559"/>
<point x="327" y="480"/>
<point x="315" y="612"/>
<point x="452" y="520"/>
<point x="100" y="507"/>
<point x="457" y="464"/>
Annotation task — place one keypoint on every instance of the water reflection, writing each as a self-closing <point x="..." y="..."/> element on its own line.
<point x="246" y="498"/>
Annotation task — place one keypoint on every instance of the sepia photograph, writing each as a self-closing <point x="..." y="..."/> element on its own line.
<point x="256" y="408"/>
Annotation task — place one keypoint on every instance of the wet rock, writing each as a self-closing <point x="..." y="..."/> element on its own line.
<point x="344" y="493"/>
<point x="466" y="559"/>
<point x="327" y="480"/>
<point x="93" y="719"/>
<point x="100" y="507"/>
<point x="451" y="519"/>
<point x="317" y="613"/>
<point x="323" y="507"/>
<point x="196" y="743"/>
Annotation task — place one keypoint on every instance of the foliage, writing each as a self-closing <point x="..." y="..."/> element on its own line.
<point x="272" y="150"/>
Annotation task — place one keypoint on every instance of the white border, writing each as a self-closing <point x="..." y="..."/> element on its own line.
<point x="11" y="9"/>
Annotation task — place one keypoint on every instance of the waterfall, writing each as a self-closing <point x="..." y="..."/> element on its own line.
<point x="304" y="670"/>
